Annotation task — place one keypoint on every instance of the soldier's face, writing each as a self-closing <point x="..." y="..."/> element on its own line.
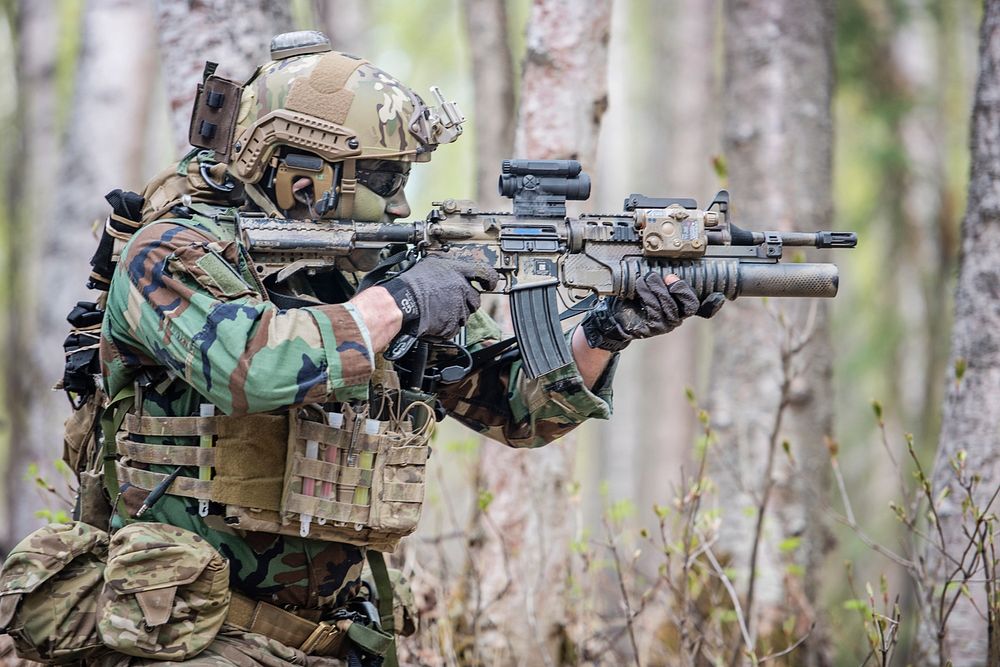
<point x="380" y="195"/>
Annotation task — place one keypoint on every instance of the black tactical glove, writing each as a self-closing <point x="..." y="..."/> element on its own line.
<point x="437" y="294"/>
<point x="656" y="309"/>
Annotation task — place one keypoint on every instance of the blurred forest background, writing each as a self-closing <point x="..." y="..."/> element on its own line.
<point x="754" y="493"/>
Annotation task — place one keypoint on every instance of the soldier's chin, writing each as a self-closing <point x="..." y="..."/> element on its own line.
<point x="360" y="260"/>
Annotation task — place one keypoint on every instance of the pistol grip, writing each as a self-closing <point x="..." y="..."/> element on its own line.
<point x="536" y="325"/>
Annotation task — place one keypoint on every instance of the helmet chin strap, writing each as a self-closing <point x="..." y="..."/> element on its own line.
<point x="258" y="197"/>
<point x="348" y="186"/>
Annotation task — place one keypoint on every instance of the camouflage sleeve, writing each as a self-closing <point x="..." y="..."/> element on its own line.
<point x="191" y="305"/>
<point x="504" y="404"/>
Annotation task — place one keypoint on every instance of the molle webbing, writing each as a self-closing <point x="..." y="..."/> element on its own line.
<point x="344" y="504"/>
<point x="249" y="450"/>
<point x="247" y="453"/>
<point x="172" y="426"/>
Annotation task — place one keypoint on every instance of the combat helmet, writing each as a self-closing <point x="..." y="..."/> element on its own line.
<point x="332" y="109"/>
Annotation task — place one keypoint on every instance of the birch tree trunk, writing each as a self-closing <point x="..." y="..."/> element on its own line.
<point x="663" y="105"/>
<point x="563" y="98"/>
<point x="971" y="417"/>
<point x="346" y="23"/>
<point x="493" y="105"/>
<point x="37" y="144"/>
<point x="103" y="150"/>
<point x="237" y="35"/>
<point x="778" y="144"/>
<point x="674" y="112"/>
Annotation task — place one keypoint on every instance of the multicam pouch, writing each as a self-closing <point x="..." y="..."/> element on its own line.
<point x="49" y="589"/>
<point x="166" y="592"/>
<point x="356" y="479"/>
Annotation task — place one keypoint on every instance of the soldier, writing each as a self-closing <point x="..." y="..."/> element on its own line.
<point x="262" y="441"/>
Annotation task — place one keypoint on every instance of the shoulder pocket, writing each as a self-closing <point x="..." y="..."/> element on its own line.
<point x="166" y="592"/>
<point x="49" y="588"/>
<point x="210" y="270"/>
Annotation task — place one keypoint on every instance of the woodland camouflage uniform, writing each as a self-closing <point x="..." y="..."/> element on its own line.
<point x="184" y="299"/>
<point x="189" y="324"/>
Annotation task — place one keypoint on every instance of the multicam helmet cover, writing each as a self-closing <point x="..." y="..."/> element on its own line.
<point x="311" y="100"/>
<point x="337" y="106"/>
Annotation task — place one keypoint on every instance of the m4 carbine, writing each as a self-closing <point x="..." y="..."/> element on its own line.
<point x="536" y="248"/>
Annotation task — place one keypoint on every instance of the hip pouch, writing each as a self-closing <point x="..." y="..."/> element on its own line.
<point x="49" y="590"/>
<point x="165" y="595"/>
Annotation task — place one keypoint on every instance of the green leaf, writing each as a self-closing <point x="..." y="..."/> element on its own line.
<point x="726" y="615"/>
<point x="720" y="167"/>
<point x="485" y="498"/>
<point x="621" y="510"/>
<point x="961" y="364"/>
<point x="789" y="544"/>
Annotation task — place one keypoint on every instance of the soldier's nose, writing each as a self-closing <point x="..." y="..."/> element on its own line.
<point x="398" y="207"/>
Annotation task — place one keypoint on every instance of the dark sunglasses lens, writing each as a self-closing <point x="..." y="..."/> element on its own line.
<point x="382" y="183"/>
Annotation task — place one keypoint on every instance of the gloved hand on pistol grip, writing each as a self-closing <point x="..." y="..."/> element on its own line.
<point x="657" y="308"/>
<point x="437" y="294"/>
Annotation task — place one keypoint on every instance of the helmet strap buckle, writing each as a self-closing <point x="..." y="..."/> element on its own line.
<point x="348" y="186"/>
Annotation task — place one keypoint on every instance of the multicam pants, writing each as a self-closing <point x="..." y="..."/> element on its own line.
<point x="231" y="648"/>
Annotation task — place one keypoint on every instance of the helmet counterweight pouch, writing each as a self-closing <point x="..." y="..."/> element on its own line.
<point x="213" y="119"/>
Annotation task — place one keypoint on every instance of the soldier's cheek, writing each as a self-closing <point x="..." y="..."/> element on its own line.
<point x="368" y="206"/>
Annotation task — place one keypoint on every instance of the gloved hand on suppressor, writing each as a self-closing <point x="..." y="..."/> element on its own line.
<point x="656" y="308"/>
<point x="437" y="293"/>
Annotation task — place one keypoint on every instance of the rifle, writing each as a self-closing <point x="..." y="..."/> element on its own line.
<point x="536" y="249"/>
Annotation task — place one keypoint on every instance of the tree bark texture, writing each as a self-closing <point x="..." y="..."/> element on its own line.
<point x="563" y="97"/>
<point x="778" y="146"/>
<point x="38" y="146"/>
<point x="493" y="104"/>
<point x="658" y="138"/>
<point x="235" y="35"/>
<point x="103" y="150"/>
<point x="658" y="110"/>
<point x="971" y="418"/>
<point x="346" y="23"/>
<point x="564" y="82"/>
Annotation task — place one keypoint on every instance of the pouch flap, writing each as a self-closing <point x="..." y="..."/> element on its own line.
<point x="148" y="556"/>
<point x="156" y="605"/>
<point x="213" y="119"/>
<point x="45" y="552"/>
<point x="8" y="607"/>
